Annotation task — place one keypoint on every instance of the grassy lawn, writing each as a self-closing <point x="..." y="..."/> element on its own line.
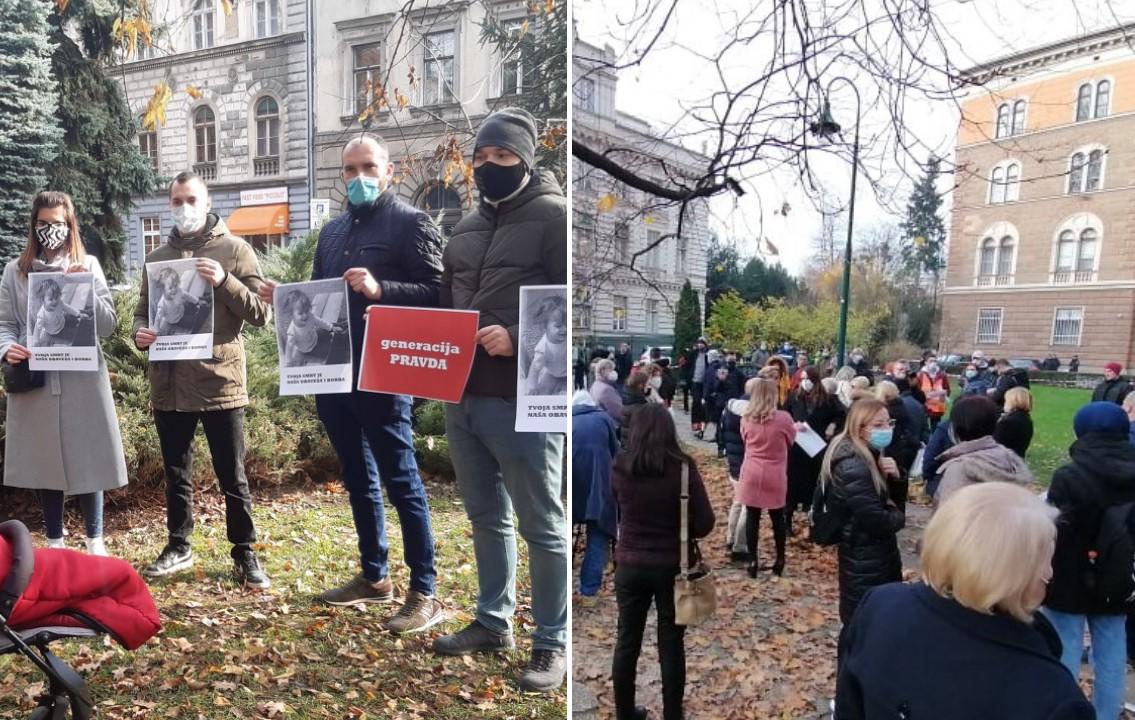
<point x="227" y="653"/>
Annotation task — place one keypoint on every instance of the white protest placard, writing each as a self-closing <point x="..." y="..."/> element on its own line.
<point x="810" y="441"/>
<point x="542" y="360"/>
<point x="181" y="311"/>
<point x="313" y="334"/>
<point x="61" y="321"/>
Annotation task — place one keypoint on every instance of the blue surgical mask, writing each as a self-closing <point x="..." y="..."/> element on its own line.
<point x="881" y="437"/>
<point x="363" y="190"/>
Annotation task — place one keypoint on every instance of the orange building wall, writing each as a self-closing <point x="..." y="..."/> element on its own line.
<point x="1051" y="102"/>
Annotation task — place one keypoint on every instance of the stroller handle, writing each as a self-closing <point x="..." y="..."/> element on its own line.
<point x="23" y="563"/>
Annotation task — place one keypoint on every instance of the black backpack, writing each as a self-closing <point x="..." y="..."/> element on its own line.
<point x="1111" y="561"/>
<point x="827" y="521"/>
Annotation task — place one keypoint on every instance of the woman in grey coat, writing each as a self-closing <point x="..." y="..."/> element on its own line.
<point x="62" y="438"/>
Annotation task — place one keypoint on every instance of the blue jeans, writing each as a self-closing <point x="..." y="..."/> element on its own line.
<point x="371" y="435"/>
<point x="500" y="470"/>
<point x="90" y="504"/>
<point x="594" y="560"/>
<point x="1109" y="655"/>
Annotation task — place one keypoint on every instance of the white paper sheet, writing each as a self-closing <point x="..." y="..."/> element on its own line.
<point x="313" y="334"/>
<point x="542" y="380"/>
<point x="181" y="311"/>
<point x="810" y="441"/>
<point x="61" y="321"/>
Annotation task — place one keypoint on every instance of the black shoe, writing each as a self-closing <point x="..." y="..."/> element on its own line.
<point x="545" y="672"/>
<point x="247" y="571"/>
<point x="752" y="569"/>
<point x="639" y="713"/>
<point x="736" y="557"/>
<point x="171" y="560"/>
<point x="778" y="567"/>
<point x="474" y="637"/>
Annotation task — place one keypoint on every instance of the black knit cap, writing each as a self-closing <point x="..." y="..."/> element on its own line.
<point x="513" y="129"/>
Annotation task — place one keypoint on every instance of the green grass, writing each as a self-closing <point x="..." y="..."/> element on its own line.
<point x="227" y="653"/>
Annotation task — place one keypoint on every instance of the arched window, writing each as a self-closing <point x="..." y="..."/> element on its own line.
<point x="205" y="141"/>
<point x="988" y="261"/>
<point x="1076" y="174"/>
<point x="1018" y="117"/>
<point x="1085" y="170"/>
<point x="1084" y="102"/>
<point x="1095" y="170"/>
<point x="1077" y="249"/>
<point x="1005" y="183"/>
<point x="1086" y="256"/>
<point x="1005" y="257"/>
<point x="1003" y="120"/>
<point x="267" y="128"/>
<point x="1103" y="98"/>
<point x="1066" y="251"/>
<point x="1013" y="182"/>
<point x="997" y="185"/>
<point x="442" y="203"/>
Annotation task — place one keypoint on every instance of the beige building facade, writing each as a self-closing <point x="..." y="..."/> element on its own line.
<point x="1042" y="251"/>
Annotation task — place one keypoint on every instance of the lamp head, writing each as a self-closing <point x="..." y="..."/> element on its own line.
<point x="825" y="126"/>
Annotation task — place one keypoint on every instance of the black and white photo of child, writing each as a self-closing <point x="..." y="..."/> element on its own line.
<point x="545" y="316"/>
<point x="62" y="312"/>
<point x="312" y="326"/>
<point x="181" y="303"/>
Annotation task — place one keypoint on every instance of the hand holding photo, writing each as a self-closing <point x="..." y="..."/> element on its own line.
<point x="181" y="310"/>
<point x="61" y="321"/>
<point x="313" y="335"/>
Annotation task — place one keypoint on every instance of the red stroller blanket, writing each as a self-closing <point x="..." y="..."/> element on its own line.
<point x="107" y="590"/>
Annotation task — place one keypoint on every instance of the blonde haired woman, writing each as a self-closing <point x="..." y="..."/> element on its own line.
<point x="853" y="478"/>
<point x="973" y="615"/>
<point x="1015" y="428"/>
<point x="763" y="483"/>
<point x="62" y="438"/>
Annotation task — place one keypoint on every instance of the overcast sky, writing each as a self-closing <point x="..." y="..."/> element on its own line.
<point x="983" y="29"/>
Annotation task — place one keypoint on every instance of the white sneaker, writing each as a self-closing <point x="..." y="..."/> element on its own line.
<point x="95" y="546"/>
<point x="56" y="543"/>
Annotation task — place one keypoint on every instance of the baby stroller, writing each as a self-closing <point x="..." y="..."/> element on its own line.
<point x="29" y="633"/>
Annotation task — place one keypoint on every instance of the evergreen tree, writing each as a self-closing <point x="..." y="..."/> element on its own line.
<point x="100" y="164"/>
<point x="29" y="137"/>
<point x="687" y="319"/>
<point x="540" y="45"/>
<point x="923" y="230"/>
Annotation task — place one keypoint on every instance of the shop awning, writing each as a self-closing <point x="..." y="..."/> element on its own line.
<point x="259" y="220"/>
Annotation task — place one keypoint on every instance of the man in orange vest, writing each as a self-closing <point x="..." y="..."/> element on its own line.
<point x="936" y="386"/>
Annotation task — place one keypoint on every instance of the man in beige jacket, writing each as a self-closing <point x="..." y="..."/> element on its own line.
<point x="211" y="391"/>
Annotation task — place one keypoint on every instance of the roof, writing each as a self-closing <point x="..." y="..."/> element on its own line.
<point x="1052" y="52"/>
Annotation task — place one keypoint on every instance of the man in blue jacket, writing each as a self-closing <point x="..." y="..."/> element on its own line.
<point x="389" y="253"/>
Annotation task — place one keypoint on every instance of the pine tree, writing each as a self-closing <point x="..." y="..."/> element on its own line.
<point x="100" y="164"/>
<point x="923" y="231"/>
<point x="687" y="319"/>
<point x="541" y="47"/>
<point x="29" y="137"/>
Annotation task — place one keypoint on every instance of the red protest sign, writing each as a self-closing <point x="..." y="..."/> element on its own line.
<point x="424" y="352"/>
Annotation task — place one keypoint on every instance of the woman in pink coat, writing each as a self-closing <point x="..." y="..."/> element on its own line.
<point x="763" y="484"/>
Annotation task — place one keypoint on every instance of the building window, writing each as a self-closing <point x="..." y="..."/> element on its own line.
<point x="654" y="255"/>
<point x="1067" y="322"/>
<point x="583" y="231"/>
<point x="151" y="234"/>
<point x="203" y="18"/>
<point x="581" y="309"/>
<point x="1005" y="257"/>
<point x="989" y="326"/>
<point x="267" y="160"/>
<point x="1076" y="255"/>
<point x="263" y="243"/>
<point x="1103" y="98"/>
<point x="148" y="145"/>
<point x="1084" y="102"/>
<point x="512" y="66"/>
<point x="683" y="256"/>
<point x="584" y="92"/>
<point x="437" y="86"/>
<point x="1003" y="120"/>
<point x="1018" y="117"/>
<point x="1085" y="171"/>
<point x="267" y="17"/>
<point x="651" y="307"/>
<point x="619" y="313"/>
<point x="622" y="244"/>
<point x="205" y="140"/>
<point x="443" y="204"/>
<point x="996" y="256"/>
<point x="1093" y="101"/>
<point x="1005" y="183"/>
<point x="367" y="74"/>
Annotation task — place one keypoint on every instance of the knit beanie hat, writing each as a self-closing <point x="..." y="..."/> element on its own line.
<point x="1114" y="367"/>
<point x="1101" y="417"/>
<point x="513" y="129"/>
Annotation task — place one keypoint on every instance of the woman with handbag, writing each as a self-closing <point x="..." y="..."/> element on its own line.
<point x="854" y="475"/>
<point x="62" y="431"/>
<point x="647" y="481"/>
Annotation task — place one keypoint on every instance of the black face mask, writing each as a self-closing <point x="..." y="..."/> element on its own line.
<point x="499" y="181"/>
<point x="731" y="363"/>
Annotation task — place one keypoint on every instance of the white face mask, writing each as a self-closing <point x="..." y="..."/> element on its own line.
<point x="806" y="385"/>
<point x="611" y="376"/>
<point x="655" y="382"/>
<point x="189" y="218"/>
<point x="932" y="368"/>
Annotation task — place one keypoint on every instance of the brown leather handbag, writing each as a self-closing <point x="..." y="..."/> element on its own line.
<point x="695" y="589"/>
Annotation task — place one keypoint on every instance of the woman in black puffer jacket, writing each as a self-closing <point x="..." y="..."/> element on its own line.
<point x="730" y="433"/>
<point x="853" y="478"/>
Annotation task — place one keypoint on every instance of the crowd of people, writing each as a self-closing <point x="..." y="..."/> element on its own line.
<point x="63" y="435"/>
<point x="1028" y="603"/>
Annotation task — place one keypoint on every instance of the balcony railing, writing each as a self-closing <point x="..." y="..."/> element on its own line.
<point x="994" y="280"/>
<point x="1070" y="277"/>
<point x="207" y="171"/>
<point x="266" y="166"/>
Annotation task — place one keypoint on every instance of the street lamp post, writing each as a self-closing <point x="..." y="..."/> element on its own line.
<point x="827" y="127"/>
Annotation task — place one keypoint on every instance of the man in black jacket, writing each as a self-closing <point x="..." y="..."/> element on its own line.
<point x="518" y="236"/>
<point x="389" y="253"/>
<point x="1008" y="377"/>
<point x="858" y="363"/>
<point x="1114" y="387"/>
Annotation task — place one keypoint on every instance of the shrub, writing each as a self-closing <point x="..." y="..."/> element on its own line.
<point x="429" y="418"/>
